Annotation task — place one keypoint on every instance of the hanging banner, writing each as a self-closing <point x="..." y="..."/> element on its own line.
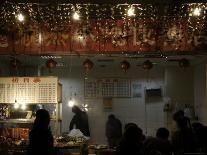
<point x="105" y="37"/>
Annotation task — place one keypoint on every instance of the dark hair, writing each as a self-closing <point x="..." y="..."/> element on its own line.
<point x="111" y="116"/>
<point x="162" y="133"/>
<point x="177" y="115"/>
<point x="76" y="109"/>
<point x="42" y="119"/>
<point x="133" y="132"/>
<point x="129" y="125"/>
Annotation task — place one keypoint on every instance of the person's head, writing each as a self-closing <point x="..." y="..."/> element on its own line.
<point x="177" y="115"/>
<point x="111" y="116"/>
<point x="133" y="132"/>
<point x="162" y="133"/>
<point x="42" y="119"/>
<point x="129" y="125"/>
<point x="76" y="109"/>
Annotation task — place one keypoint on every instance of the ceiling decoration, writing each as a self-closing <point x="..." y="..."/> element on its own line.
<point x="63" y="29"/>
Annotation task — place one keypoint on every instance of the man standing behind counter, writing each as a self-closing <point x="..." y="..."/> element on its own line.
<point x="80" y="121"/>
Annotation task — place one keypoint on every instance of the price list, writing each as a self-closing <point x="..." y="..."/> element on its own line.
<point x="28" y="89"/>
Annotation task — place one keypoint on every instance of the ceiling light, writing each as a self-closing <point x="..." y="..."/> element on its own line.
<point x="130" y="12"/>
<point x="23" y="106"/>
<point x="16" y="105"/>
<point x="20" y="17"/>
<point x="76" y="16"/>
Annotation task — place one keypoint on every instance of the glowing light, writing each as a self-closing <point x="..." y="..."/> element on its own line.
<point x="20" y="17"/>
<point x="130" y="12"/>
<point x="197" y="12"/>
<point x="80" y="37"/>
<point x="16" y="105"/>
<point x="40" y="38"/>
<point x="23" y="106"/>
<point x="70" y="103"/>
<point x="76" y="16"/>
<point x="85" y="107"/>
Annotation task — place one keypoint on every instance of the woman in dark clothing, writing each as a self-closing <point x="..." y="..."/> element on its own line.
<point x="40" y="137"/>
<point x="131" y="143"/>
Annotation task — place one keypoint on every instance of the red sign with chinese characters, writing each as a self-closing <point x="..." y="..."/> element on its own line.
<point x="113" y="38"/>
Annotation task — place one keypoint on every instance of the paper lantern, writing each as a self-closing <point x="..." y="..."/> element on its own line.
<point x="125" y="65"/>
<point x="147" y="65"/>
<point x="88" y="65"/>
<point x="183" y="63"/>
<point x="15" y="63"/>
<point x="51" y="64"/>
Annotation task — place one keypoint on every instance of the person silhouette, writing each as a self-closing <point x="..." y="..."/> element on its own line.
<point x="80" y="121"/>
<point x="40" y="137"/>
<point x="113" y="130"/>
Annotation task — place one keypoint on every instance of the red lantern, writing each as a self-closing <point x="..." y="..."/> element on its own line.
<point x="51" y="64"/>
<point x="183" y="63"/>
<point x="15" y="63"/>
<point x="125" y="65"/>
<point x="88" y="65"/>
<point x="147" y="65"/>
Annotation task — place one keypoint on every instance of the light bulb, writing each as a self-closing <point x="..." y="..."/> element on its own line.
<point x="76" y="16"/>
<point x="70" y="103"/>
<point x="23" y="106"/>
<point x="20" y="17"/>
<point x="197" y="11"/>
<point x="130" y="12"/>
<point x="16" y="105"/>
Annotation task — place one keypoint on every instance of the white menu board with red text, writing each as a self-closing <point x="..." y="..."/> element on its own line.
<point x="28" y="89"/>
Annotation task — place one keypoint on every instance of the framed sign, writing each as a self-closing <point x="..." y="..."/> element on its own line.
<point x="28" y="89"/>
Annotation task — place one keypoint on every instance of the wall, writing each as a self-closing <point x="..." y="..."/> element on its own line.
<point x="200" y="92"/>
<point x="149" y="116"/>
<point x="175" y="83"/>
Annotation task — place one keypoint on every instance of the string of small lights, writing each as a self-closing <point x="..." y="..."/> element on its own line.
<point x="55" y="16"/>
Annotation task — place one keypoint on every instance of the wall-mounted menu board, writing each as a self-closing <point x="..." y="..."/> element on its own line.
<point x="28" y="89"/>
<point x="109" y="87"/>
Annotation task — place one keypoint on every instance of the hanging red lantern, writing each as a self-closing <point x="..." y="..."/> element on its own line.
<point x="183" y="63"/>
<point x="147" y="65"/>
<point x="125" y="65"/>
<point x="51" y="64"/>
<point x="15" y="63"/>
<point x="88" y="65"/>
